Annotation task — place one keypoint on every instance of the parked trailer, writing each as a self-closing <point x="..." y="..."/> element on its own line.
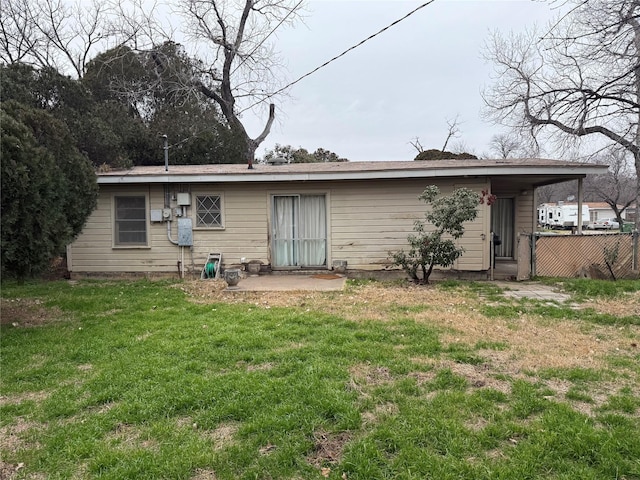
<point x="552" y="215"/>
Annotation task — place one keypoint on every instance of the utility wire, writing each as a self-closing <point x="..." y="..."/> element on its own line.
<point x="325" y="63"/>
<point x="339" y="56"/>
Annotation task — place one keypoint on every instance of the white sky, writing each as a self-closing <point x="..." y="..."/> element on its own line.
<point x="405" y="83"/>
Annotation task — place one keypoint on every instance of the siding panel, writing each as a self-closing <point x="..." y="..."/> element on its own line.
<point x="366" y="220"/>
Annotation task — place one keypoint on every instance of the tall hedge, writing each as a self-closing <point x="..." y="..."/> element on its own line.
<point x="48" y="189"/>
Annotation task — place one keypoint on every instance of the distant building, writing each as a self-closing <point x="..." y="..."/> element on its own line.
<point x="562" y="215"/>
<point x="600" y="210"/>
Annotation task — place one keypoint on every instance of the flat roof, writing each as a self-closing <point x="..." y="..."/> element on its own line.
<point x="212" y="173"/>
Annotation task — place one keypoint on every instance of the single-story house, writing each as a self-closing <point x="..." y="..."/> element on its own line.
<point x="167" y="220"/>
<point x="600" y="210"/>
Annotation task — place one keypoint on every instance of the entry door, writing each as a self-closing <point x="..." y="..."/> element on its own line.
<point x="502" y="212"/>
<point x="299" y="231"/>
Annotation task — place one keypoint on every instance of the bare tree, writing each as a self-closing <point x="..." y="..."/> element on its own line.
<point x="241" y="69"/>
<point x="56" y="33"/>
<point x="617" y="187"/>
<point x="579" y="79"/>
<point x="237" y="67"/>
<point x="453" y="131"/>
<point x="459" y="149"/>
<point x="504" y="145"/>
<point x="415" y="143"/>
<point x="551" y="193"/>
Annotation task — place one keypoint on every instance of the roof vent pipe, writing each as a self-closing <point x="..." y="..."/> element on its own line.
<point x="166" y="153"/>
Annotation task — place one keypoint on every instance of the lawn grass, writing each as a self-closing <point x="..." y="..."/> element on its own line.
<point x="118" y="380"/>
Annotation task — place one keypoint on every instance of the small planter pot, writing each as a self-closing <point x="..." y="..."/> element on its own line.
<point x="253" y="268"/>
<point x="232" y="277"/>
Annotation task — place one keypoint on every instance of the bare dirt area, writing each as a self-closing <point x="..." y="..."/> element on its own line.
<point x="27" y="312"/>
<point x="532" y="343"/>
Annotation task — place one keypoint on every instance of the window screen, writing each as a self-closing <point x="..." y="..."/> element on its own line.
<point x="131" y="220"/>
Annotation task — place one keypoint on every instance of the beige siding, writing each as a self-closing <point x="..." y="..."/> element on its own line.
<point x="366" y="220"/>
<point x="245" y="227"/>
<point x="525" y="213"/>
<point x="369" y="219"/>
<point x="244" y="234"/>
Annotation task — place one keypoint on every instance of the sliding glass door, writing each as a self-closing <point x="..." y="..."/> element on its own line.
<point x="299" y="231"/>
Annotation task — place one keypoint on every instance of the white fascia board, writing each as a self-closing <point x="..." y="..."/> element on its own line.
<point x="580" y="170"/>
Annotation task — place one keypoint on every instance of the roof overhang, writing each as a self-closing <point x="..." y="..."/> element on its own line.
<point x="540" y="172"/>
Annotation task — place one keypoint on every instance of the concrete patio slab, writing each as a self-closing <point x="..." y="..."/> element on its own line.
<point x="532" y="290"/>
<point x="274" y="283"/>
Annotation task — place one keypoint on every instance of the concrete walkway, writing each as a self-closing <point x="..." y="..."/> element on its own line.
<point x="533" y="290"/>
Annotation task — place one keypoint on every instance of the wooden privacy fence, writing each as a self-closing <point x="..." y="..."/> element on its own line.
<point x="594" y="256"/>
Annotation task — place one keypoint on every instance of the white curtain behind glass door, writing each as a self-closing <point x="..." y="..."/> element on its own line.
<point x="313" y="231"/>
<point x="299" y="231"/>
<point x="284" y="212"/>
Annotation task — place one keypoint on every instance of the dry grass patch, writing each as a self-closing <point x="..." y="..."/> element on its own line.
<point x="367" y="302"/>
<point x="7" y="470"/>
<point x="126" y="436"/>
<point x="388" y="409"/>
<point x="628" y="306"/>
<point x="365" y="376"/>
<point x="202" y="474"/>
<point x="370" y="375"/>
<point x="533" y="344"/>
<point x="18" y="398"/>
<point x="223" y="436"/>
<point x="262" y="367"/>
<point x="422" y="377"/>
<point x="476" y="423"/>
<point x="182" y="422"/>
<point x="110" y="313"/>
<point x="477" y="376"/>
<point x="12" y="436"/>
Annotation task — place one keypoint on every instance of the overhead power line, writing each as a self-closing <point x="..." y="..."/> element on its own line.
<point x="340" y="55"/>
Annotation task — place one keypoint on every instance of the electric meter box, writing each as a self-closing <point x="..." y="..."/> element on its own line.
<point x="183" y="199"/>
<point x="185" y="232"/>
<point x="156" y="215"/>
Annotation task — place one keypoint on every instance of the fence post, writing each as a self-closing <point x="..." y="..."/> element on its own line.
<point x="492" y="253"/>
<point x="534" y="238"/>
<point x="634" y="254"/>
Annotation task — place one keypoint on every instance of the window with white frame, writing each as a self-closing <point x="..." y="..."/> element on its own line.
<point x="209" y="211"/>
<point x="130" y="220"/>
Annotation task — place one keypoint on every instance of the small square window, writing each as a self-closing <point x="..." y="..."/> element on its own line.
<point x="208" y="211"/>
<point x="130" y="220"/>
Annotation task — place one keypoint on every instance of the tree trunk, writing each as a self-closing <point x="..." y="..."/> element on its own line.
<point x="250" y="153"/>
<point x="636" y="158"/>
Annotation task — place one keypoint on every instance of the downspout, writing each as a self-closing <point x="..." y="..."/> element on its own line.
<point x="166" y="153"/>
